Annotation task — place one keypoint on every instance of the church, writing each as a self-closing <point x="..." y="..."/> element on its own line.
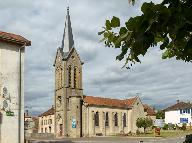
<point x="77" y="115"/>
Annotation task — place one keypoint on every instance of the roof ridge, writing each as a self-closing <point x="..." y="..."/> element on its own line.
<point x="110" y="98"/>
<point x="178" y="106"/>
<point x="50" y="111"/>
<point x="93" y="100"/>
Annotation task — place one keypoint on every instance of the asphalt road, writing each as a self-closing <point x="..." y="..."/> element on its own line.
<point x="130" y="140"/>
<point x="115" y="140"/>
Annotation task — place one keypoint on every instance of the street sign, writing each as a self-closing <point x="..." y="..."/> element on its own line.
<point x="159" y="123"/>
<point x="10" y="113"/>
<point x="183" y="120"/>
<point x="73" y="123"/>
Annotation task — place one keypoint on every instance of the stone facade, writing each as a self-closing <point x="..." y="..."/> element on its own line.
<point x="12" y="48"/>
<point x="126" y="119"/>
<point x="77" y="115"/>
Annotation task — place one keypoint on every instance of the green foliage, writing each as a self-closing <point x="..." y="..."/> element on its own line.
<point x="144" y="123"/>
<point x="172" y="126"/>
<point x="160" y="115"/>
<point x="184" y="126"/>
<point x="168" y="24"/>
<point x="165" y="127"/>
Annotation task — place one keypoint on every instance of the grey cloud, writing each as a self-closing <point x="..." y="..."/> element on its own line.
<point x="159" y="81"/>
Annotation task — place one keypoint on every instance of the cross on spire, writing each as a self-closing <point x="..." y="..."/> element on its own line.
<point x="67" y="42"/>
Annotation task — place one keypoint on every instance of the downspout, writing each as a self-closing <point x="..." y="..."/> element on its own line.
<point x="20" y="95"/>
<point x="1" y="114"/>
<point x="1" y="118"/>
<point x="88" y="119"/>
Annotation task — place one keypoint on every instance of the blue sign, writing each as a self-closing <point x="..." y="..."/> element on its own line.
<point x="183" y="120"/>
<point x="73" y="123"/>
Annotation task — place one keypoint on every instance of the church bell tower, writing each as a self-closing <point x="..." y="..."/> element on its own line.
<point x="68" y="86"/>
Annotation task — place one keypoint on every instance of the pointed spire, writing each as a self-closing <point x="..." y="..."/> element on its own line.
<point x="67" y="42"/>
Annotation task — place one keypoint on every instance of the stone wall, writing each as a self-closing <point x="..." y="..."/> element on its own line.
<point x="46" y="136"/>
<point x="89" y="128"/>
<point x="136" y="112"/>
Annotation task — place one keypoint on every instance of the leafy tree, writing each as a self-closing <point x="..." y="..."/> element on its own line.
<point x="184" y="126"/>
<point x="160" y="115"/>
<point x="144" y="123"/>
<point x="165" y="127"/>
<point x="168" y="24"/>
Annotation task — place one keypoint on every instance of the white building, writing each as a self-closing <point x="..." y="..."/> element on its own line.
<point x="31" y="124"/>
<point x="12" y="49"/>
<point x="179" y="113"/>
<point x="47" y="122"/>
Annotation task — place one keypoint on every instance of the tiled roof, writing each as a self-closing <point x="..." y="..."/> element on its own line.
<point x="13" y="38"/>
<point x="178" y="106"/>
<point x="99" y="101"/>
<point x="48" y="112"/>
<point x="149" y="110"/>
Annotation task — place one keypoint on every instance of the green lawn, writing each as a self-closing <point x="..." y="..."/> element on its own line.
<point x="167" y="133"/>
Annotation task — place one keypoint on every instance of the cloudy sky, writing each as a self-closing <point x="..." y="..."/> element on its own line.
<point x="158" y="82"/>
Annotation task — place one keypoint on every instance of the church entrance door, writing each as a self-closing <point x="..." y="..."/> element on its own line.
<point x="61" y="129"/>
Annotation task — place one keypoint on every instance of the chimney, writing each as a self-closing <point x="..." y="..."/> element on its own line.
<point x="178" y="101"/>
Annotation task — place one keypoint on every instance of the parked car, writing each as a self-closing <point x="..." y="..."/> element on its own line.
<point x="188" y="139"/>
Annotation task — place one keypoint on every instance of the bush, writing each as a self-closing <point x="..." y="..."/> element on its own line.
<point x="172" y="126"/>
<point x="153" y="127"/>
<point x="165" y="127"/>
<point x="138" y="132"/>
<point x="184" y="126"/>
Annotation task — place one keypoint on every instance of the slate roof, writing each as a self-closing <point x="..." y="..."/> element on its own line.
<point x="67" y="42"/>
<point x="99" y="101"/>
<point x="149" y="110"/>
<point x="13" y="38"/>
<point x="51" y="111"/>
<point x="178" y="106"/>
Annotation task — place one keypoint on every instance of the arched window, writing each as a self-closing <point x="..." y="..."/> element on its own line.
<point x="124" y="120"/>
<point x="57" y="78"/>
<point x="75" y="77"/>
<point x="61" y="78"/>
<point x="107" y="119"/>
<point x="116" y="119"/>
<point x="97" y="119"/>
<point x="69" y="76"/>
